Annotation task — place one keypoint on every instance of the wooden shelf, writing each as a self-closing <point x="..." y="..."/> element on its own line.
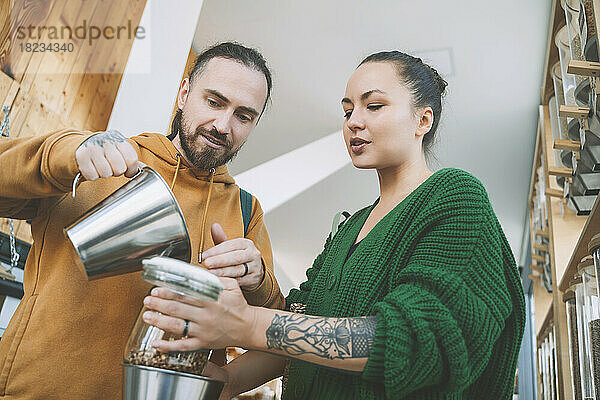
<point x="590" y="227"/>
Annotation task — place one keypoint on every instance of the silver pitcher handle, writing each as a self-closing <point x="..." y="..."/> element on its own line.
<point x="78" y="177"/>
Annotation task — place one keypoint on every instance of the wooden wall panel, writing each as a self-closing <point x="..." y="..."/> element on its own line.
<point x="49" y="90"/>
<point x="23" y="13"/>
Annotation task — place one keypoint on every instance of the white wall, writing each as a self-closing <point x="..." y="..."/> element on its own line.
<point x="155" y="66"/>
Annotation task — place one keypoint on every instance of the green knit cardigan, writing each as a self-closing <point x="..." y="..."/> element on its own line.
<point x="439" y="274"/>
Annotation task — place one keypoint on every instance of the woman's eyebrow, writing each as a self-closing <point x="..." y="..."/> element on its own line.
<point x="364" y="96"/>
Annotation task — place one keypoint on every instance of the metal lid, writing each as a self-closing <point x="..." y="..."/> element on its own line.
<point x="575" y="281"/>
<point x="585" y="263"/>
<point x="594" y="244"/>
<point x="182" y="277"/>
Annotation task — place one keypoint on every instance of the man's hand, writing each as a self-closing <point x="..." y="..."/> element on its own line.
<point x="106" y="154"/>
<point x="228" y="257"/>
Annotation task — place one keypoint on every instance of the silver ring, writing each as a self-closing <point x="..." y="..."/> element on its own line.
<point x="245" y="269"/>
<point x="186" y="327"/>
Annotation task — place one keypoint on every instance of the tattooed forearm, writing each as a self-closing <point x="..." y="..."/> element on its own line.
<point x="325" y="337"/>
<point x="100" y="139"/>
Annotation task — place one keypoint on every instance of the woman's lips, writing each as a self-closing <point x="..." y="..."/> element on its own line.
<point x="359" y="148"/>
<point x="358" y="144"/>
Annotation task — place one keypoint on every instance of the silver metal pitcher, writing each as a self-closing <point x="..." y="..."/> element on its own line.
<point x="148" y="383"/>
<point x="139" y="220"/>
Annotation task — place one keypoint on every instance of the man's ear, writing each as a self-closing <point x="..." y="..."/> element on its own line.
<point x="184" y="90"/>
<point x="425" y="121"/>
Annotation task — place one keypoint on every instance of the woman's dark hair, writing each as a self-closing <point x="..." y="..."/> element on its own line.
<point x="231" y="51"/>
<point x="426" y="86"/>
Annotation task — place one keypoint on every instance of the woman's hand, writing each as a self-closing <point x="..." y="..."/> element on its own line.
<point x="236" y="258"/>
<point x="212" y="325"/>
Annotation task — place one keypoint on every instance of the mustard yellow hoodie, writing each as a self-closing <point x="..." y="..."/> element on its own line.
<point x="67" y="337"/>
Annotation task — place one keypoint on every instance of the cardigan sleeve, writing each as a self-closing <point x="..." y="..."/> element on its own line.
<point x="301" y="294"/>
<point x="438" y="326"/>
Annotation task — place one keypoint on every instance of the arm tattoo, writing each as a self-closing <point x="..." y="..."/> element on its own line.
<point x="101" y="139"/>
<point x="325" y="337"/>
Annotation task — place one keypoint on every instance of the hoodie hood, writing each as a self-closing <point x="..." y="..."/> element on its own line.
<point x="164" y="149"/>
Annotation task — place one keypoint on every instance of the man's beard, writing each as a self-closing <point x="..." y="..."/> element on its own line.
<point x="206" y="157"/>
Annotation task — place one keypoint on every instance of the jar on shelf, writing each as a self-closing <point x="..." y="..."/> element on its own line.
<point x="572" y="332"/>
<point x="561" y="157"/>
<point x="564" y="52"/>
<point x="594" y="250"/>
<point x="554" y="364"/>
<point x="542" y="370"/>
<point x="572" y="8"/>
<point x="183" y="278"/>
<point x="587" y="29"/>
<point x="559" y="95"/>
<point x="586" y="298"/>
<point x="545" y="370"/>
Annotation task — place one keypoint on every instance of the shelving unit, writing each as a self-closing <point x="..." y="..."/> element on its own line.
<point x="567" y="233"/>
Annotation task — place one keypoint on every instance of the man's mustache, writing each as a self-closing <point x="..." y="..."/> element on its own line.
<point x="222" y="137"/>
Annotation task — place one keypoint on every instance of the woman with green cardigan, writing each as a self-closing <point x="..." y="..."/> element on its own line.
<point x="416" y="296"/>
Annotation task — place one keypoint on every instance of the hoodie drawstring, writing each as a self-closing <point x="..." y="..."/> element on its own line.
<point x="210" y="186"/>
<point x="178" y="156"/>
<point x="212" y="178"/>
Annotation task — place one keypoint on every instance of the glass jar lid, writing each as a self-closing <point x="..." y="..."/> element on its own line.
<point x="574" y="282"/>
<point x="585" y="263"/>
<point x="182" y="277"/>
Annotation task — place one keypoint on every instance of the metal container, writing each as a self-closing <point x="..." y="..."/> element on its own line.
<point x="147" y="383"/>
<point x="139" y="220"/>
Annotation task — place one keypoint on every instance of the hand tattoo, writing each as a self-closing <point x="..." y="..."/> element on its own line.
<point x="101" y="139"/>
<point x="325" y="337"/>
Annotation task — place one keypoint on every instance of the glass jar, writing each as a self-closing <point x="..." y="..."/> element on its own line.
<point x="572" y="8"/>
<point x="562" y="42"/>
<point x="183" y="278"/>
<point x="571" y="314"/>
<point x="587" y="25"/>
<point x="554" y="363"/>
<point x="559" y="95"/>
<point x="561" y="157"/>
<point x="594" y="250"/>
<point x="586" y="298"/>
<point x="540" y="369"/>
<point x="545" y="370"/>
